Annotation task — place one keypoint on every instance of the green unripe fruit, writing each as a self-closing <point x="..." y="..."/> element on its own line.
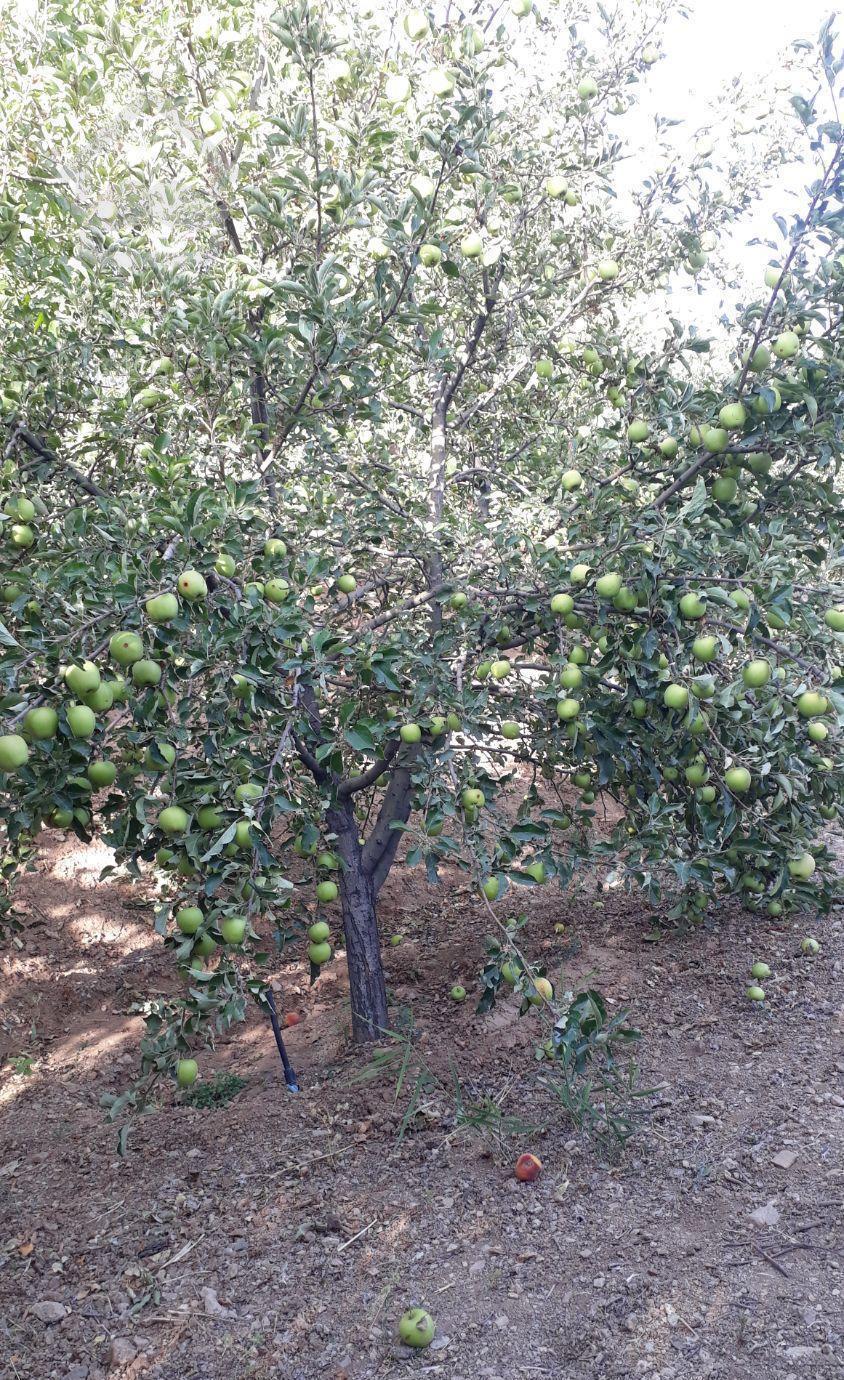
<point x="101" y="699"/>
<point x="638" y="431"/>
<point x="818" y="732"/>
<point x="191" y="585"/>
<point x="536" y="870"/>
<point x="724" y="489"/>
<point x="327" y="891"/>
<point x="275" y="548"/>
<point x="692" y="606"/>
<point x="802" y="867"/>
<point x="696" y="773"/>
<point x="472" y="246"/>
<point x="810" y="946"/>
<point x="210" y="817"/>
<point x="760" y="970"/>
<point x="82" y="679"/>
<point x="587" y="89"/>
<point x="491" y="888"/>
<point x="22" y="535"/>
<point x="458" y="600"/>
<point x="625" y="601"/>
<point x="608" y="585"/>
<point x="233" y="929"/>
<point x="319" y="932"/>
<point x="568" y="708"/>
<point x="410" y="733"/>
<point x="607" y="270"/>
<point x="162" y="608"/>
<point x="146" y="672"/>
<point x="163" y="751"/>
<point x="205" y="945"/>
<point x="676" y="697"/>
<point x="243" y="834"/>
<point x="571" y="480"/>
<point x="483" y="669"/>
<point x="472" y="798"/>
<point x="276" y="591"/>
<point x="430" y="255"/>
<point x="14" y="752"/>
<point x="61" y="819"/>
<point x="80" y="720"/>
<point x="715" y="440"/>
<point x="579" y="573"/>
<point x="756" y="673"/>
<point x="186" y="1072"/>
<point x="347" y="584"/>
<point x="705" y="648"/>
<point x="20" y="507"/>
<point x="571" y="677"/>
<point x="544" y="368"/>
<point x="561" y="604"/>
<point x="225" y="565"/>
<point x="786" y="345"/>
<point x="189" y="919"/>
<point x="499" y="670"/>
<point x="101" y="773"/>
<point x="416" y="1327"/>
<point x="759" y="360"/>
<point x="732" y="416"/>
<point x="173" y="820"/>
<point x="319" y="954"/>
<point x="834" y="618"/>
<point x="639" y="708"/>
<point x="41" y="723"/>
<point x="668" y="447"/>
<point x="248" y="790"/>
<point x="578" y="656"/>
<point x="452" y="723"/>
<point x="707" y="794"/>
<point x="738" y="779"/>
<point x="510" y="729"/>
<point x="811" y="705"/>
<point x="755" y="994"/>
<point x="126" y="648"/>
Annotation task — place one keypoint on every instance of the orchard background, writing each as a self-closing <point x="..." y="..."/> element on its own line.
<point x="367" y="505"/>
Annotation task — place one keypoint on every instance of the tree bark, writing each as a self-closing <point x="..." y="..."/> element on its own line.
<point x="360" y="925"/>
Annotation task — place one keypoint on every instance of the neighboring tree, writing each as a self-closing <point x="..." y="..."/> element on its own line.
<point x="343" y="508"/>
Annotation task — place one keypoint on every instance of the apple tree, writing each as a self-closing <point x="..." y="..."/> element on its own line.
<point x="350" y="509"/>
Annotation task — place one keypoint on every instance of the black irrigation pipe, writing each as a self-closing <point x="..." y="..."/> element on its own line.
<point x="289" y="1073"/>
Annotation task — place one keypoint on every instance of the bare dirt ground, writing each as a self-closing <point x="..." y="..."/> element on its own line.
<point x="282" y="1235"/>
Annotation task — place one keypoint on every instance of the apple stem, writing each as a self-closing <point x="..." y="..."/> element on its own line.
<point x="289" y="1073"/>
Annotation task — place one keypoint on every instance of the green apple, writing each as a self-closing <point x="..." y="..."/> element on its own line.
<point x="101" y="773"/>
<point x="146" y="672"/>
<point x="233" y="929"/>
<point x="430" y="255"/>
<point x="126" y="648"/>
<point x="162" y="608"/>
<point x="458" y="993"/>
<point x="458" y="600"/>
<point x="571" y="480"/>
<point x="452" y="723"/>
<point x="696" y="773"/>
<point x="191" y="585"/>
<point x="759" y="360"/>
<point x="756" y="673"/>
<point x="491" y="888"/>
<point x="764" y="406"/>
<point x="208" y="816"/>
<point x="276" y="591"/>
<point x="416" y="25"/>
<point x="173" y="820"/>
<point x="225" y="565"/>
<point x="715" y="440"/>
<point x="80" y="720"/>
<point x="676" y="697"/>
<point x="102" y="698"/>
<point x="625" y="601"/>
<point x="640" y="708"/>
<point x="668" y="447"/>
<point x="41" y="723"/>
<point x="810" y="946"/>
<point x="732" y="416"/>
<point x="416" y="1328"/>
<point x="275" y="548"/>
<point x="327" y="891"/>
<point x="410" y="733"/>
<point x="20" y="507"/>
<point x="377" y="248"/>
<point x="61" y="819"/>
<point x="738" y="779"/>
<point x="159" y="756"/>
<point x="472" y="246"/>
<point x="818" y="732"/>
<point x="499" y="670"/>
<point x="562" y="603"/>
<point x="740" y="600"/>
<point x="22" y="535"/>
<point x="755" y="994"/>
<point x="802" y="867"/>
<point x="760" y="970"/>
<point x="82" y="678"/>
<point x="14" y="752"/>
<point x="638" y="431"/>
<point x="555" y="187"/>
<point x="398" y="90"/>
<point x="347" y="584"/>
<point x="587" y="89"/>
<point x="724" y="489"/>
<point x="189" y="919"/>
<point x="775" y="908"/>
<point x="243" y="833"/>
<point x="578" y="656"/>
<point x="608" y="585"/>
<point x="705" y="648"/>
<point x="248" y="790"/>
<point x="834" y="618"/>
<point x="772" y="276"/>
<point x="707" y="794"/>
<point x="544" y="368"/>
<point x="510" y="729"/>
<point x="811" y="704"/>
<point x="568" y="708"/>
<point x="607" y="270"/>
<point x="536" y="870"/>
<point x="186" y="1072"/>
<point x="472" y="798"/>
<point x="692" y="606"/>
<point x="571" y="676"/>
<point x="786" y="345"/>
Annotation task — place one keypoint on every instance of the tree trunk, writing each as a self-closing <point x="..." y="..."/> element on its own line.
<point x="360" y="925"/>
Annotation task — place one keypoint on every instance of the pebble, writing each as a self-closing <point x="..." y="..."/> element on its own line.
<point x="49" y="1311"/>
